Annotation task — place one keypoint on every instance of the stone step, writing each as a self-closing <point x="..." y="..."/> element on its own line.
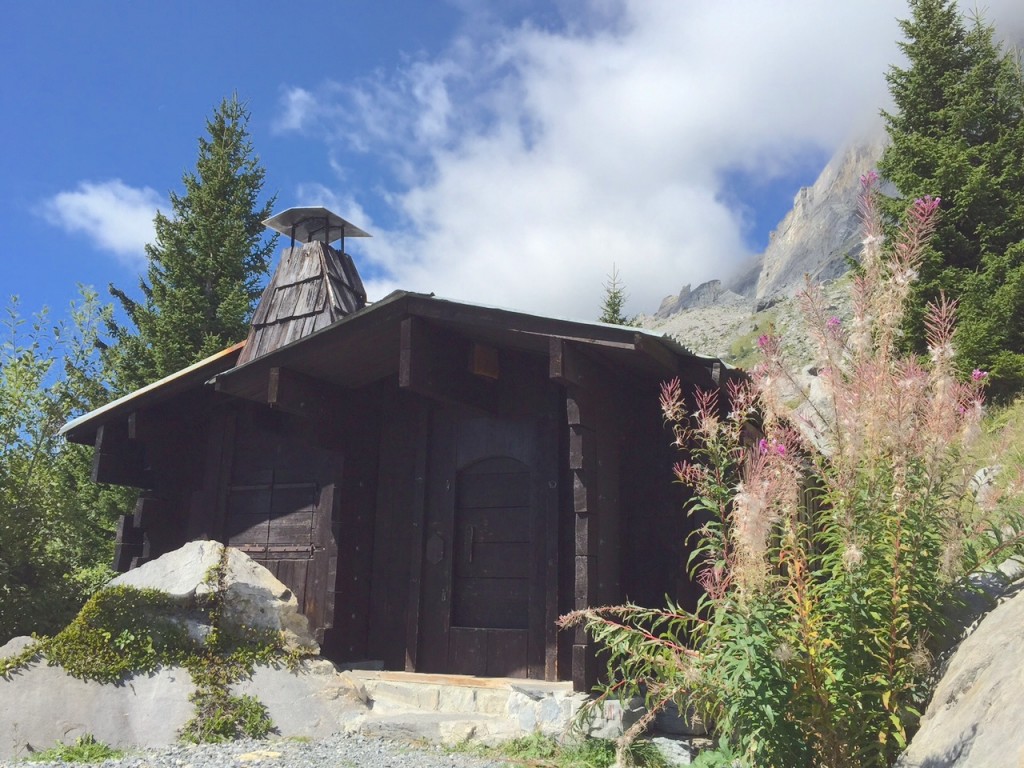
<point x="434" y="727"/>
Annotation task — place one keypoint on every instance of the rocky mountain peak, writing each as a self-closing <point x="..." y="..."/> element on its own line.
<point x="822" y="231"/>
<point x="704" y="295"/>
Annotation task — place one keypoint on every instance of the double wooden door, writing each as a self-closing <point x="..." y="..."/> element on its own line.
<point x="483" y="600"/>
<point x="279" y="500"/>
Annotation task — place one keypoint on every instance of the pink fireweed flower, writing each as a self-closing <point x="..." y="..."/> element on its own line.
<point x="833" y="323"/>
<point x="979" y="375"/>
<point x="924" y="207"/>
<point x="869" y="178"/>
<point x="771" y="446"/>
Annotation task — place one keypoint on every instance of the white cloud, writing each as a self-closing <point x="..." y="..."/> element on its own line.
<point x="528" y="160"/>
<point x="299" y="109"/>
<point x="114" y="216"/>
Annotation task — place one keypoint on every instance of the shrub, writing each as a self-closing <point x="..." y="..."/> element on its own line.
<point x="833" y="536"/>
<point x="85" y="750"/>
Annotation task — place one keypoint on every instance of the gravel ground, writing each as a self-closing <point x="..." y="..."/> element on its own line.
<point x="335" y="752"/>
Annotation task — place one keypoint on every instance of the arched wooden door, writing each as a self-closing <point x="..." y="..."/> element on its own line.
<point x="483" y="598"/>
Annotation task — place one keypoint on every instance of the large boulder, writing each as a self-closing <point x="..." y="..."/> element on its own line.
<point x="974" y="716"/>
<point x="41" y="706"/>
<point x="251" y="595"/>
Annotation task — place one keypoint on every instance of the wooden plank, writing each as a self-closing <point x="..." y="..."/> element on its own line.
<point x="507" y="651"/>
<point x="301" y="395"/>
<point x="508" y="321"/>
<point x="301" y="498"/>
<point x="323" y="569"/>
<point x="128" y="543"/>
<point x="294" y="528"/>
<point x="652" y="348"/>
<point x="422" y="436"/>
<point x="493" y="559"/>
<point x="492" y="603"/>
<point x="550" y="512"/>
<point x="584" y="668"/>
<point x="492" y="489"/>
<point x="434" y="363"/>
<point x="222" y="455"/>
<point x="247" y="529"/>
<point x="569" y="365"/>
<point x="389" y="590"/>
<point x="148" y="508"/>
<point x="467" y="651"/>
<point x="584" y="491"/>
<point x="585" y="539"/>
<point x="497" y="524"/>
<point x="582" y="446"/>
<point x="116" y="460"/>
<point x="293" y="574"/>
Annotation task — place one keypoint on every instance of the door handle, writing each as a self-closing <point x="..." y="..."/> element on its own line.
<point x="470" y="535"/>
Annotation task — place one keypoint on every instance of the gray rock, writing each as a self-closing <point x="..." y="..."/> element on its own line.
<point x="15" y="645"/>
<point x="974" y="716"/>
<point x="314" y="701"/>
<point x="41" y="706"/>
<point x="253" y="597"/>
<point x="709" y="294"/>
<point x="673" y="751"/>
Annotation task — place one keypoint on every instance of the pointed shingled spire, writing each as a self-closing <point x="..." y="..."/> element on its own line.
<point x="313" y="286"/>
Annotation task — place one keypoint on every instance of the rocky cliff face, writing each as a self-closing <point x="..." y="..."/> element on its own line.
<point x="822" y="230"/>
<point x="815" y="238"/>
<point x="706" y="294"/>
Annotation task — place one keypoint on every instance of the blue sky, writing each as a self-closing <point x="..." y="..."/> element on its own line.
<point x="507" y="152"/>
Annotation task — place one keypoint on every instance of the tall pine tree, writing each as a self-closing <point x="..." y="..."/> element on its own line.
<point x="956" y="132"/>
<point x="206" y="265"/>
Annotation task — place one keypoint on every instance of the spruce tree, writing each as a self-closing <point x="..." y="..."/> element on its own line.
<point x="956" y="133"/>
<point x="614" y="302"/>
<point x="206" y="265"/>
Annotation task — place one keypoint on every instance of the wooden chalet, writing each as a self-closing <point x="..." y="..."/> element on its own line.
<point x="436" y="481"/>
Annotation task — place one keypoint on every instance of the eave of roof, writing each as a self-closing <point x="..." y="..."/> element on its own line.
<point x="221" y="366"/>
<point x="77" y="430"/>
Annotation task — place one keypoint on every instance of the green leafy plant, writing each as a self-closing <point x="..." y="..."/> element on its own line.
<point x="85" y="750"/>
<point x="830" y="539"/>
<point x="56" y="526"/>
<point x="122" y="631"/>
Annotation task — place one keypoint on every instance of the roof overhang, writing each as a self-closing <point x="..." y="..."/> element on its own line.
<point x="83" y="429"/>
<point x="365" y="347"/>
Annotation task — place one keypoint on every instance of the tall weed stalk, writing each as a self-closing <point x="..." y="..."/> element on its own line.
<point x="835" y="533"/>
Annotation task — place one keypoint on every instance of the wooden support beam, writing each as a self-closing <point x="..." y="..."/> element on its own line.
<point x="568" y="365"/>
<point x="417" y="537"/>
<point x="116" y="459"/>
<point x="436" y="363"/>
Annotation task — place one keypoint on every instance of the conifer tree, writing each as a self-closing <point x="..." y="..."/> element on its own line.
<point x="614" y="301"/>
<point x="957" y="133"/>
<point x="206" y="265"/>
